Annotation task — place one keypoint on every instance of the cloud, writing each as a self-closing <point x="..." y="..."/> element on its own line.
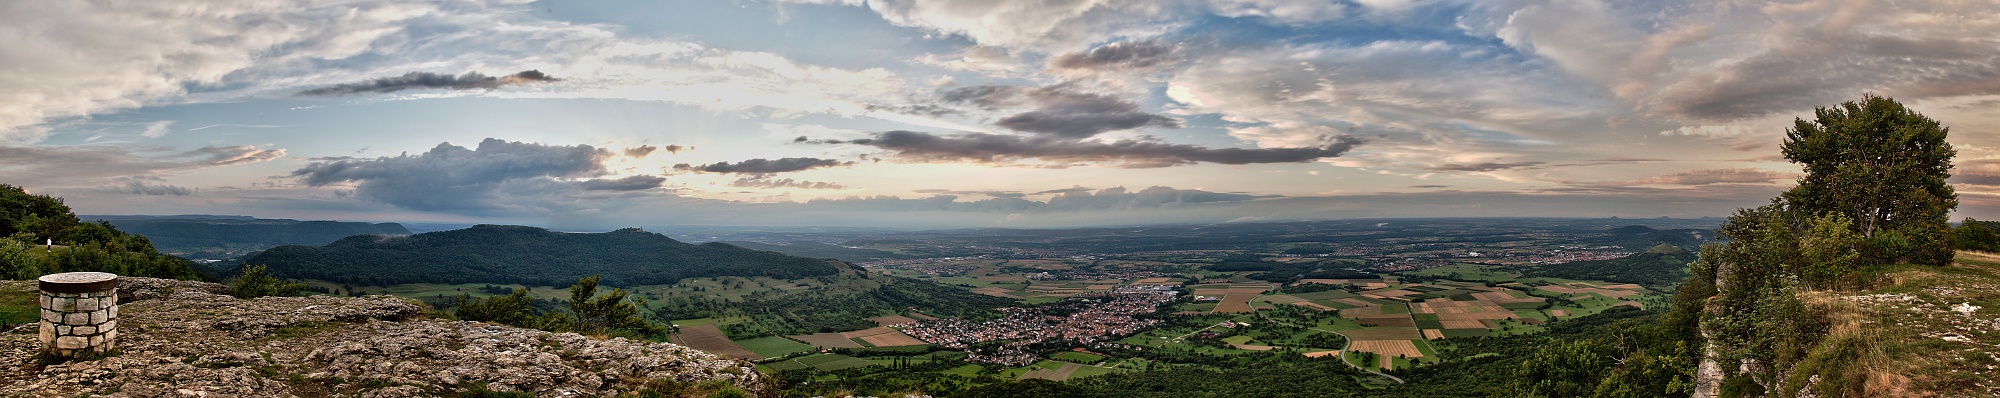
<point x="94" y="165"/>
<point x="70" y="60"/>
<point x="452" y="178"/>
<point x="1429" y="186"/>
<point x="1483" y="166"/>
<point x="146" y="188"/>
<point x="643" y="150"/>
<point x="427" y="80"/>
<point x="1058" y="110"/>
<point x="640" y="151"/>
<point x="763" y="166"/>
<point x="784" y="183"/>
<point x="1006" y="149"/>
<point x="1122" y="55"/>
<point x="157" y="129"/>
<point x="1716" y="176"/>
<point x="632" y="183"/>
<point x="1040" y="25"/>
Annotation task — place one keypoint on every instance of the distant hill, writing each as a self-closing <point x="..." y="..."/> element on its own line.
<point x="528" y="255"/>
<point x="1638" y="236"/>
<point x="822" y="250"/>
<point x="1660" y="267"/>
<point x="220" y="237"/>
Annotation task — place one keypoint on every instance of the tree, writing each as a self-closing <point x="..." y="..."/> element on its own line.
<point x="596" y="315"/>
<point x="1883" y="167"/>
<point x="1976" y="235"/>
<point x="254" y="282"/>
<point x="515" y="308"/>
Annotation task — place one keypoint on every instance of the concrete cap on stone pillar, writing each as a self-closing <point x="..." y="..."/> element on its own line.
<point x="78" y="282"/>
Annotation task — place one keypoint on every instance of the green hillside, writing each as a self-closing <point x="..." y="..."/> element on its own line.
<point x="528" y="255"/>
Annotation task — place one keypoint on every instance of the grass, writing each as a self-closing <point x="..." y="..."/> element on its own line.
<point x="1089" y="371"/>
<point x="19" y="306"/>
<point x="1077" y="357"/>
<point x="774" y="346"/>
<point x="831" y="362"/>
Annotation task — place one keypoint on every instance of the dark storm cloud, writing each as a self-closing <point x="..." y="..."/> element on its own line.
<point x="784" y="183"/>
<point x="1059" y="110"/>
<point x="1486" y="166"/>
<point x="1000" y="149"/>
<point x="763" y="166"/>
<point x="427" y="80"/>
<point x="633" y="183"/>
<point x="456" y="179"/>
<point x="1125" y="55"/>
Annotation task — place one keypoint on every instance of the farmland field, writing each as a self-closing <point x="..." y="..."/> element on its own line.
<point x="774" y="346"/>
<point x="883" y="336"/>
<point x="827" y="340"/>
<point x="1392" y="348"/>
<point x="710" y="339"/>
<point x="831" y="362"/>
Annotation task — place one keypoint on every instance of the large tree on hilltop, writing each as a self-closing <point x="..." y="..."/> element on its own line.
<point x="1883" y="167"/>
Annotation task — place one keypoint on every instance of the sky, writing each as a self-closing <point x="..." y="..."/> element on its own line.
<point x="596" y="115"/>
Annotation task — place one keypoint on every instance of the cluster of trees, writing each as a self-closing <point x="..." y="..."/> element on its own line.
<point x="1977" y="235"/>
<point x="615" y="313"/>
<point x="529" y="256"/>
<point x="28" y="223"/>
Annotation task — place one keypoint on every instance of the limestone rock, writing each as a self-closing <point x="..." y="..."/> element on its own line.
<point x="185" y="339"/>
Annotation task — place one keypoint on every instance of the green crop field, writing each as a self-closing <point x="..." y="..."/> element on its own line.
<point x="773" y="346"/>
<point x="831" y="362"/>
<point x="1077" y="357"/>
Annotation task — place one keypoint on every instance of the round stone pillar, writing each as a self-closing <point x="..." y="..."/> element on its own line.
<point x="79" y="313"/>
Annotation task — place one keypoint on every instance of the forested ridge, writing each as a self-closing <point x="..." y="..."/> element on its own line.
<point x="226" y="236"/>
<point x="528" y="255"/>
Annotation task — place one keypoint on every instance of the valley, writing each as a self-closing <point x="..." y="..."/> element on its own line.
<point x="983" y="308"/>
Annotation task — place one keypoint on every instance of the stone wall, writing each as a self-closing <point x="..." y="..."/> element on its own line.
<point x="79" y="313"/>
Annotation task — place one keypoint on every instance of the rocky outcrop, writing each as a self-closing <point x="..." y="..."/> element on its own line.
<point x="181" y="338"/>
